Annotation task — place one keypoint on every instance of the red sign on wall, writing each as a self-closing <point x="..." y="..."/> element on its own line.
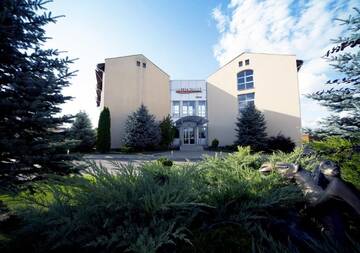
<point x="188" y="90"/>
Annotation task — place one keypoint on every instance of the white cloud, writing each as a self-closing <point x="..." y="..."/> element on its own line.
<point x="304" y="28"/>
<point x="220" y="19"/>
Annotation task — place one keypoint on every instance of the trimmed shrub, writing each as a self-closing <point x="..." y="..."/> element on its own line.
<point x="280" y="143"/>
<point x="103" y="142"/>
<point x="165" y="161"/>
<point x="215" y="143"/>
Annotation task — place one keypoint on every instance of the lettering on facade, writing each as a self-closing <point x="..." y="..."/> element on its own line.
<point x="188" y="90"/>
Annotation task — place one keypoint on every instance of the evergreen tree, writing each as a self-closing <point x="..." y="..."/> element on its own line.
<point x="82" y="131"/>
<point x="250" y="128"/>
<point x="103" y="142"/>
<point x="32" y="133"/>
<point x="141" y="130"/>
<point x="168" y="131"/>
<point x="344" y="98"/>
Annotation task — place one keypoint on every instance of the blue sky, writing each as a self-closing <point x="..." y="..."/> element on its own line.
<point x="190" y="39"/>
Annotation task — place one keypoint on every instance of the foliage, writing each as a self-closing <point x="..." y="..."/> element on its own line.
<point x="343" y="97"/>
<point x="32" y="136"/>
<point x="141" y="130"/>
<point x="103" y="141"/>
<point x="220" y="204"/>
<point x="250" y="128"/>
<point x="345" y="153"/>
<point x="165" y="161"/>
<point x="280" y="143"/>
<point x="82" y="131"/>
<point x="167" y="131"/>
<point x="215" y="143"/>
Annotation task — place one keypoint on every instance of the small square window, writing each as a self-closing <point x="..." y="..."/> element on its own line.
<point x="144" y="65"/>
<point x="247" y="62"/>
<point x="138" y="63"/>
<point x="240" y="63"/>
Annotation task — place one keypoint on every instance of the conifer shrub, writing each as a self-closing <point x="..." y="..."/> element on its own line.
<point x="103" y="141"/>
<point x="251" y="129"/>
<point x="142" y="132"/>
<point x="344" y="152"/>
<point x="81" y="130"/>
<point x="167" y="130"/>
<point x="280" y="143"/>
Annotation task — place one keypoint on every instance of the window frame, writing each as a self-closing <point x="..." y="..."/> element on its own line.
<point x="201" y="112"/>
<point x="245" y="84"/>
<point x="248" y="98"/>
<point x="186" y="104"/>
<point x="176" y="115"/>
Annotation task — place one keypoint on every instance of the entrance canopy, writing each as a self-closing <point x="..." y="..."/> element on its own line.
<point x="194" y="120"/>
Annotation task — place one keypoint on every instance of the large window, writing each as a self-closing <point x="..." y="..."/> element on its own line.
<point x="176" y="109"/>
<point x="188" y="108"/>
<point x="245" y="99"/>
<point x="202" y="109"/>
<point x="245" y="79"/>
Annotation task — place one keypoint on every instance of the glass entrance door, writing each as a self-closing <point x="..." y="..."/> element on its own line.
<point x="189" y="135"/>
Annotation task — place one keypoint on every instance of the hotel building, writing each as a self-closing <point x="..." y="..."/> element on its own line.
<point x="203" y="110"/>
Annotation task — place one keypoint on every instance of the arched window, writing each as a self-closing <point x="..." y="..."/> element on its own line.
<point x="245" y="79"/>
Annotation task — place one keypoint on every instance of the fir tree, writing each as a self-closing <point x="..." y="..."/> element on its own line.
<point x="32" y="132"/>
<point x="82" y="131"/>
<point x="141" y="130"/>
<point x="344" y="98"/>
<point x="103" y="142"/>
<point x="250" y="128"/>
<point x="167" y="130"/>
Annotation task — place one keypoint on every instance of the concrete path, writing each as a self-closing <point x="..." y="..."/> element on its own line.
<point x="178" y="156"/>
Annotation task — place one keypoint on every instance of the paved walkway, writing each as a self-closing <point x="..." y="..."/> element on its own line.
<point x="179" y="156"/>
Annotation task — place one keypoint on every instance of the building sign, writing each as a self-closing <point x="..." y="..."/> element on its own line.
<point x="188" y="90"/>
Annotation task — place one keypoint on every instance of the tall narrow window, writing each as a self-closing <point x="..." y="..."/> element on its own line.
<point x="176" y="109"/>
<point x="245" y="99"/>
<point x="245" y="79"/>
<point x="188" y="108"/>
<point x="202" y="109"/>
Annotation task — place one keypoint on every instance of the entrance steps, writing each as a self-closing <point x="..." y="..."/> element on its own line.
<point x="191" y="147"/>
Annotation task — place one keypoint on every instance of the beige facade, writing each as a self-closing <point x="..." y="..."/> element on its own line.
<point x="276" y="94"/>
<point x="126" y="83"/>
<point x="203" y="109"/>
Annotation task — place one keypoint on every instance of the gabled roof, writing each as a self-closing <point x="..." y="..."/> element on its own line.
<point x="139" y="55"/>
<point x="298" y="62"/>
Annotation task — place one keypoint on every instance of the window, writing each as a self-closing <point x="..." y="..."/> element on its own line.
<point x="188" y="108"/>
<point x="247" y="62"/>
<point x="245" y="99"/>
<point x="245" y="79"/>
<point x="138" y="63"/>
<point x="240" y="63"/>
<point x="144" y="65"/>
<point x="176" y="109"/>
<point x="202" y="109"/>
<point x="202" y="132"/>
